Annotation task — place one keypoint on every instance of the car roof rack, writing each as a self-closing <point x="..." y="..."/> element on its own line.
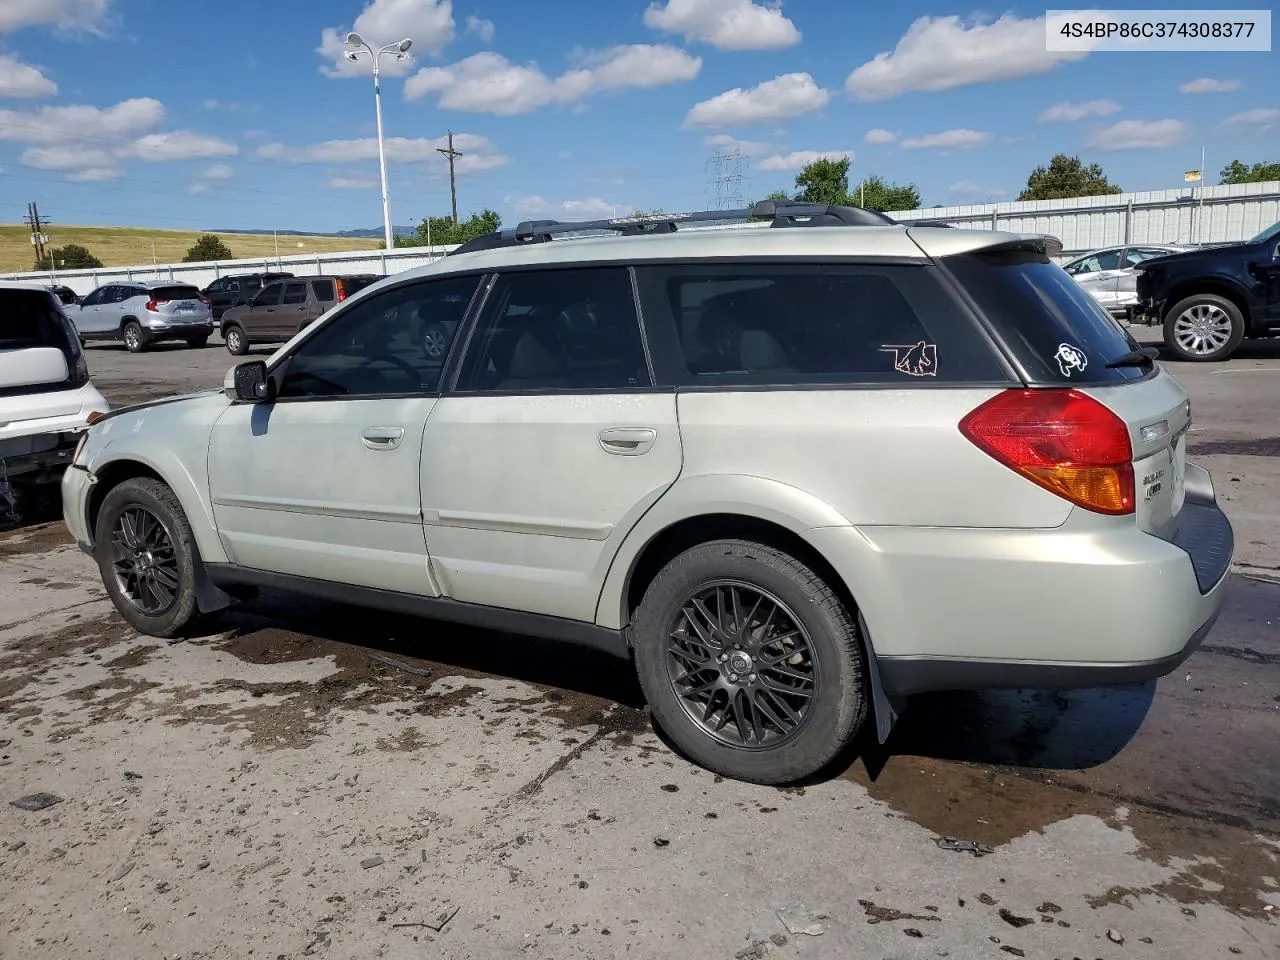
<point x="780" y="213"/>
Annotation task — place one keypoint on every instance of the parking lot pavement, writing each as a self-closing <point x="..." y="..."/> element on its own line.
<point x="272" y="787"/>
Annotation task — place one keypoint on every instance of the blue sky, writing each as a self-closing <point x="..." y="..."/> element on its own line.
<point x="243" y="114"/>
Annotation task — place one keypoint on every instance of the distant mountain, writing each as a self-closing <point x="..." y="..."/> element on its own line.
<point x="368" y="232"/>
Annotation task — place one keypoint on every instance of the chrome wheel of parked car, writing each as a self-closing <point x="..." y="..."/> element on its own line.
<point x="146" y="569"/>
<point x="135" y="341"/>
<point x="237" y="343"/>
<point x="435" y="341"/>
<point x="742" y="664"/>
<point x="1204" y="327"/>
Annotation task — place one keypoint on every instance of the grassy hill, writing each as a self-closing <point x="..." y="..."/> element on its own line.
<point x="126" y="246"/>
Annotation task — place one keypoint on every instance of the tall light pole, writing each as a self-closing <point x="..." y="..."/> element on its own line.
<point x="399" y="49"/>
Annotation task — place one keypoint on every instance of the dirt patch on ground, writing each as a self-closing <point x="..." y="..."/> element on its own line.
<point x="29" y="659"/>
<point x="40" y="538"/>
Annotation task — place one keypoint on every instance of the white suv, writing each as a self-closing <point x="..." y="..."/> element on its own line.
<point x="46" y="397"/>
<point x="797" y="473"/>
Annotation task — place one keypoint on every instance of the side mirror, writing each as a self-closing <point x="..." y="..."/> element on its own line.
<point x="248" y="382"/>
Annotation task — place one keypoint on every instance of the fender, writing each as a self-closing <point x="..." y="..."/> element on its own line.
<point x="190" y="493"/>
<point x="700" y="496"/>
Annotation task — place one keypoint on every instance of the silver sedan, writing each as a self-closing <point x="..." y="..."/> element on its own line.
<point x="1110" y="276"/>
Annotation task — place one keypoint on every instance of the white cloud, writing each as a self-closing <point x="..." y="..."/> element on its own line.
<point x="489" y="83"/>
<point x="798" y="159"/>
<point x="726" y="24"/>
<point x="477" y="152"/>
<point x="941" y="53"/>
<point x="782" y="97"/>
<point x="879" y="135"/>
<point x="63" y="14"/>
<point x="429" y="23"/>
<point x="592" y="208"/>
<point x="1261" y="119"/>
<point x="65" y="157"/>
<point x="748" y="148"/>
<point x="95" y="175"/>
<point x="1209" y="85"/>
<point x="1139" y="135"/>
<point x="352" y="183"/>
<point x="218" y="171"/>
<point x="181" y="145"/>
<point x="969" y="190"/>
<point x="20" y="80"/>
<point x="81" y="123"/>
<point x="1079" y="111"/>
<point x="476" y="27"/>
<point x="948" y="140"/>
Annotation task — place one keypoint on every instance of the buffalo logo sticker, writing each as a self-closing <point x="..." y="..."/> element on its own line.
<point x="914" y="359"/>
<point x="1070" y="359"/>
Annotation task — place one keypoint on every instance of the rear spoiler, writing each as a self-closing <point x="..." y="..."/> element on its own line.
<point x="1043" y="243"/>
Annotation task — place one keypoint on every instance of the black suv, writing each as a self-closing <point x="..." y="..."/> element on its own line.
<point x="235" y="289"/>
<point x="1209" y="300"/>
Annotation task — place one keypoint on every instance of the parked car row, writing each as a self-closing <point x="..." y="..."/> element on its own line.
<point x="251" y="308"/>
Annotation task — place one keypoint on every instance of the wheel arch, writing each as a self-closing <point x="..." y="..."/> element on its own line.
<point x="1215" y="286"/>
<point x="149" y="459"/>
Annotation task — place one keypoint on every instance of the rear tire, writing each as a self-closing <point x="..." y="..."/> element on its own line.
<point x="767" y="697"/>
<point x="146" y="554"/>
<point x="1203" y="327"/>
<point x="135" y="338"/>
<point x="237" y="343"/>
<point x="196" y="343"/>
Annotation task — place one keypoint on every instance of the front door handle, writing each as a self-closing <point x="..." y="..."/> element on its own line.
<point x="382" y="438"/>
<point x="627" y="441"/>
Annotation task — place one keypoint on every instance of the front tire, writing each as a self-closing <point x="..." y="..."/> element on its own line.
<point x="1203" y="327"/>
<point x="135" y="338"/>
<point x="750" y="662"/>
<point x="146" y="554"/>
<point x="237" y="343"/>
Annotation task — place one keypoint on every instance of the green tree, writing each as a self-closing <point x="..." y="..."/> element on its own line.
<point x="71" y="257"/>
<point x="442" y="231"/>
<point x="1237" y="172"/>
<point x="1066" y="177"/>
<point x="824" y="181"/>
<point x="876" y="193"/>
<point x="207" y="247"/>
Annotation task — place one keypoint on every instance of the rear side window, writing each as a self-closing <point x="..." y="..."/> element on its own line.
<point x="1057" y="331"/>
<point x="175" y="293"/>
<point x="745" y="324"/>
<point x="323" y="290"/>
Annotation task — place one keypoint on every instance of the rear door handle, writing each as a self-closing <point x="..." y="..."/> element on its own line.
<point x="382" y="438"/>
<point x="627" y="441"/>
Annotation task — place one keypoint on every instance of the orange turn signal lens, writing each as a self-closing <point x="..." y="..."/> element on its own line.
<point x="94" y="416"/>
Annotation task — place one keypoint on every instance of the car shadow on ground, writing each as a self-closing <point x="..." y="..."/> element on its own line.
<point x="1036" y="729"/>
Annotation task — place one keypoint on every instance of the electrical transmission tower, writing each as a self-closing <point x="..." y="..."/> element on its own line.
<point x="725" y="176"/>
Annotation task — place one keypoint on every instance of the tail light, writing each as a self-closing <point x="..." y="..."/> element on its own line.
<point x="1063" y="440"/>
<point x="342" y="290"/>
<point x="205" y="300"/>
<point x="153" y="304"/>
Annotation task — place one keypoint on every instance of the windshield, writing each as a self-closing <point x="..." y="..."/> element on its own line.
<point x="1271" y="233"/>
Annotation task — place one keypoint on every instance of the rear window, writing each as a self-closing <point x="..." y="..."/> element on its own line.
<point x="719" y="325"/>
<point x="1055" y="328"/>
<point x="28" y="319"/>
<point x="174" y="293"/>
<point x="357" y="283"/>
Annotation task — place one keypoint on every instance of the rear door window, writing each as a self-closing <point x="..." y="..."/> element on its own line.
<point x="270" y="295"/>
<point x="294" y="293"/>
<point x="1057" y="331"/>
<point x="713" y="325"/>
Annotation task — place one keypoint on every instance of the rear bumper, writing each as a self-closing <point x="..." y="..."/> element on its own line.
<point x="179" y="330"/>
<point x="37" y="457"/>
<point x="1090" y="604"/>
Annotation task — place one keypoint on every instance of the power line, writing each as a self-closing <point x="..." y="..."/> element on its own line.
<point x="452" y="154"/>
<point x="726" y="177"/>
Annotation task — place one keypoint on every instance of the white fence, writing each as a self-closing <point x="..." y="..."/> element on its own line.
<point x="1227" y="215"/>
<point x="202" y="274"/>
<point x="1230" y="214"/>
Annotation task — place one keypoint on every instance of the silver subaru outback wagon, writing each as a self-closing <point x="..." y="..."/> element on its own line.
<point x="795" y="471"/>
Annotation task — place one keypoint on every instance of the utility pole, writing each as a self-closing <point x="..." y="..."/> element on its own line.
<point x="38" y="238"/>
<point x="453" y="183"/>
